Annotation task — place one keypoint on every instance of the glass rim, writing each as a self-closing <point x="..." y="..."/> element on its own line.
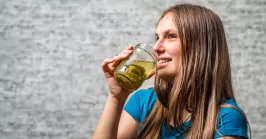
<point x="148" y="49"/>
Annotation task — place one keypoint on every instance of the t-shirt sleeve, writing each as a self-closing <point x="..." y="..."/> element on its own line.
<point x="231" y="123"/>
<point x="132" y="106"/>
<point x="140" y="104"/>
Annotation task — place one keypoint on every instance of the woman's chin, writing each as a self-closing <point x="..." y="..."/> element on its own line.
<point x="165" y="76"/>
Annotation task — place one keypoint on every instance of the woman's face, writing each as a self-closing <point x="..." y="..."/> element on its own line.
<point x="168" y="47"/>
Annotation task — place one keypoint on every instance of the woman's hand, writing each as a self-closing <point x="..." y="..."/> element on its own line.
<point x="109" y="66"/>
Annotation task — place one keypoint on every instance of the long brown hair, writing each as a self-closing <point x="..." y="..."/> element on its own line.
<point x="204" y="81"/>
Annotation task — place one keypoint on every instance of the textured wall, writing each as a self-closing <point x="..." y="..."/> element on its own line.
<point x="51" y="84"/>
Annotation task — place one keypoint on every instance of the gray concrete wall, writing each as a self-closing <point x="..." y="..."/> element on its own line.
<point x="51" y="84"/>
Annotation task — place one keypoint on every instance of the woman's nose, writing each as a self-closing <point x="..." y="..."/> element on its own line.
<point x="158" y="47"/>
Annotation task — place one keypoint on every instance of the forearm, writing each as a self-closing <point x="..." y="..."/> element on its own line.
<point x="109" y="121"/>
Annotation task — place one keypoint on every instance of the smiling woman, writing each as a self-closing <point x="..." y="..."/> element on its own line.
<point x="168" y="47"/>
<point x="192" y="96"/>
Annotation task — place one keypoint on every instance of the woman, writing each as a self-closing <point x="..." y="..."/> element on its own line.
<point x="192" y="96"/>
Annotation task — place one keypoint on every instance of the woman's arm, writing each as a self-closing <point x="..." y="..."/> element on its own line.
<point x="111" y="126"/>
<point x="128" y="127"/>
<point x="108" y="125"/>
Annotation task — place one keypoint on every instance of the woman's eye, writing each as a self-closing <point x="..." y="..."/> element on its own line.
<point x="171" y="36"/>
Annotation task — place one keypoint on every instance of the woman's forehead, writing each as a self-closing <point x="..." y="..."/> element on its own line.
<point x="166" y="24"/>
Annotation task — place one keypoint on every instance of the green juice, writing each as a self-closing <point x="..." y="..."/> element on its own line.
<point x="131" y="74"/>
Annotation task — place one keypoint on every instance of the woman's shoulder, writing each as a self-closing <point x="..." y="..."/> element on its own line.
<point x="146" y="97"/>
<point x="232" y="120"/>
<point x="140" y="103"/>
<point x="231" y="107"/>
<point x="145" y="93"/>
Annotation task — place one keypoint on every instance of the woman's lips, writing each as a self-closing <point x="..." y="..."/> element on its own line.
<point x="162" y="63"/>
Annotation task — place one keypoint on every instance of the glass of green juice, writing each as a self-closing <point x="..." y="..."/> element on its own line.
<point x="131" y="73"/>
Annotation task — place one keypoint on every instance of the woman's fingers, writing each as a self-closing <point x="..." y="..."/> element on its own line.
<point x="126" y="51"/>
<point x="119" y="58"/>
<point x="105" y="65"/>
<point x="151" y="74"/>
<point x="129" y="48"/>
<point x="123" y="56"/>
<point x="109" y="65"/>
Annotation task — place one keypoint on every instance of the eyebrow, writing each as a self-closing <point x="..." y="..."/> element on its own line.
<point x="166" y="31"/>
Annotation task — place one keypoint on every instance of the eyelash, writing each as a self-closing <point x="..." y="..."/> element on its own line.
<point x="170" y="36"/>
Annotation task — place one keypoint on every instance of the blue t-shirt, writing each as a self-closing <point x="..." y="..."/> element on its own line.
<point x="230" y="123"/>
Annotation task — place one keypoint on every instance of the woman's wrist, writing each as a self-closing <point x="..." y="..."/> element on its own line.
<point x="118" y="100"/>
